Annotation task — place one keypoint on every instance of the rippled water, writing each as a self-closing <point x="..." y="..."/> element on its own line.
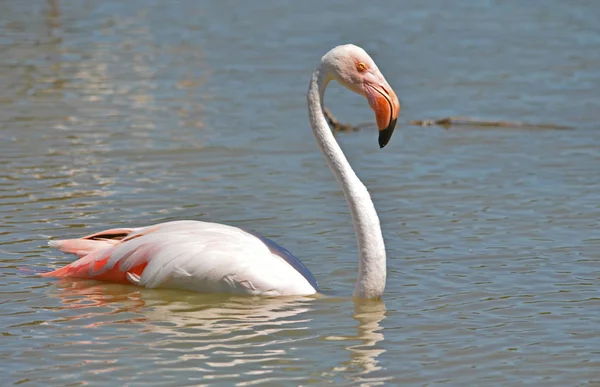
<point x="137" y="112"/>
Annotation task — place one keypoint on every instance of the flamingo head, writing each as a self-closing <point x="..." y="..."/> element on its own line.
<point x="351" y="66"/>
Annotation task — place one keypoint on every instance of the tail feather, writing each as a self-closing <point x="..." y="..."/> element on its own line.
<point x="94" y="252"/>
<point x="113" y="233"/>
<point x="94" y="266"/>
<point x="90" y="243"/>
<point x="81" y="247"/>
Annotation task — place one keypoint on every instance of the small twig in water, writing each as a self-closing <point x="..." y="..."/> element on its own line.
<point x="447" y="122"/>
<point x="469" y="121"/>
<point x="337" y="126"/>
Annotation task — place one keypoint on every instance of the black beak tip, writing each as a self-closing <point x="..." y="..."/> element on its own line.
<point x="386" y="134"/>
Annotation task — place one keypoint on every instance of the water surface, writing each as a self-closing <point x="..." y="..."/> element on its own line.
<point x="131" y="113"/>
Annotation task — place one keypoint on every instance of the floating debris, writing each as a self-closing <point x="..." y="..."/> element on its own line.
<point x="469" y="121"/>
<point x="446" y="123"/>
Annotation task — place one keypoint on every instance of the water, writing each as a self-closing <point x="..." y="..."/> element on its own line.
<point x="131" y="113"/>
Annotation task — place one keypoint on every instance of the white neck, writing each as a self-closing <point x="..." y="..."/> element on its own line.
<point x="371" y="249"/>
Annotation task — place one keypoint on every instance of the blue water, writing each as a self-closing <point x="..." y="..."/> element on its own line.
<point x="131" y="113"/>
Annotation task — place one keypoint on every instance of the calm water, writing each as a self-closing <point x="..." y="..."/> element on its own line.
<point x="138" y="112"/>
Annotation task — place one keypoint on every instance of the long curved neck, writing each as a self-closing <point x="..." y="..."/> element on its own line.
<point x="371" y="249"/>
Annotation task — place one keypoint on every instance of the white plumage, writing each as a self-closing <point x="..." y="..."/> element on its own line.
<point x="232" y="260"/>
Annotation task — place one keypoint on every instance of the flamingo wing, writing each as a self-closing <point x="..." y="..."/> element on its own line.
<point x="199" y="256"/>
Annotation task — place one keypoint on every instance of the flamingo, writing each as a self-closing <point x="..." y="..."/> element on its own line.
<point x="212" y="257"/>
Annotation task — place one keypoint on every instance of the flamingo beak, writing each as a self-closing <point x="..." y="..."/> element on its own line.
<point x="386" y="106"/>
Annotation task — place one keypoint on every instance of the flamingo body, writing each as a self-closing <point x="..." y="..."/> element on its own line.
<point x="191" y="255"/>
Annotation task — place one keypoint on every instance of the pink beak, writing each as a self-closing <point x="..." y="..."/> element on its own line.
<point x="386" y="106"/>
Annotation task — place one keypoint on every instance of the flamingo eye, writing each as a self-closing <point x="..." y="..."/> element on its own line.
<point x="361" y="67"/>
